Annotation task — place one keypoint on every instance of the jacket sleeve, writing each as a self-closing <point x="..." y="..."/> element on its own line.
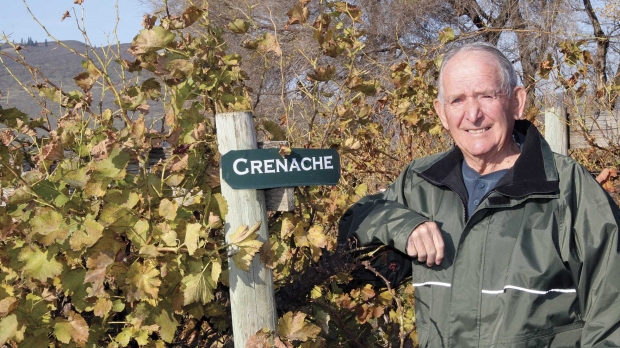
<point x="382" y="217"/>
<point x="595" y="260"/>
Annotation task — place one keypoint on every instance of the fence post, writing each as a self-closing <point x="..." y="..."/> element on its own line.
<point x="556" y="129"/>
<point x="251" y="293"/>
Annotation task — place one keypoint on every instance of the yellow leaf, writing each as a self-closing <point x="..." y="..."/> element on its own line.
<point x="244" y="233"/>
<point x="247" y="249"/>
<point x="288" y="226"/>
<point x="192" y="233"/>
<point x="293" y="327"/>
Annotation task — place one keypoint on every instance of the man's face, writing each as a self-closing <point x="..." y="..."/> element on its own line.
<point x="475" y="111"/>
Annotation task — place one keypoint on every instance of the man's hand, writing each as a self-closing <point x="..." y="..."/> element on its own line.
<point x="426" y="243"/>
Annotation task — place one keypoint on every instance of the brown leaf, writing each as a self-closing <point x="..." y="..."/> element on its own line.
<point x="53" y="151"/>
<point x="144" y="109"/>
<point x="102" y="150"/>
<point x="283" y="119"/>
<point x="148" y="21"/>
<point x="7" y="136"/>
<point x="269" y="43"/>
<point x="297" y="15"/>
<point x="179" y="163"/>
<point x="97" y="267"/>
<point x="213" y="178"/>
<point x="65" y="15"/>
<point x="7" y="305"/>
<point x="260" y="339"/>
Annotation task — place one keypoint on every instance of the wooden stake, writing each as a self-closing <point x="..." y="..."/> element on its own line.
<point x="251" y="293"/>
<point x="556" y="129"/>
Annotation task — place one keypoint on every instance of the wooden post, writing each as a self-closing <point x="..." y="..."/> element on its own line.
<point x="556" y="129"/>
<point x="251" y="293"/>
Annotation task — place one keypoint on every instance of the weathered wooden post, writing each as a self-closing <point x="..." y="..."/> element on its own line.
<point x="556" y="129"/>
<point x="251" y="293"/>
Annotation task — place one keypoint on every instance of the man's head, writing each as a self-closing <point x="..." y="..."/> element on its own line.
<point x="479" y="102"/>
<point x="507" y="72"/>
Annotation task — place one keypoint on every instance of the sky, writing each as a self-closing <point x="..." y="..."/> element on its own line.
<point x="99" y="20"/>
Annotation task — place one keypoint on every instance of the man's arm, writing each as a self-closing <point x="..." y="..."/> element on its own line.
<point x="384" y="217"/>
<point x="595" y="262"/>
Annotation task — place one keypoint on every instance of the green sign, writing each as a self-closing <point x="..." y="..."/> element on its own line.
<point x="266" y="168"/>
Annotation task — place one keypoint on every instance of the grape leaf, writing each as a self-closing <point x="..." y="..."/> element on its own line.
<point x="151" y="40"/>
<point x="87" y="235"/>
<point x="10" y="329"/>
<point x="40" y="265"/>
<point x="245" y="240"/>
<point x="7" y="305"/>
<point x="143" y="281"/>
<point x="293" y="327"/>
<point x="50" y="226"/>
<point x="74" y="328"/>
<point x="198" y="287"/>
<point x="192" y="233"/>
<point x="168" y="325"/>
<point x="168" y="209"/>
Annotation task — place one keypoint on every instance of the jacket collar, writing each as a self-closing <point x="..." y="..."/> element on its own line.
<point x="533" y="172"/>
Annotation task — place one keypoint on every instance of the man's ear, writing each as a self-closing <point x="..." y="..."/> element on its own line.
<point x="440" y="111"/>
<point x="520" y="97"/>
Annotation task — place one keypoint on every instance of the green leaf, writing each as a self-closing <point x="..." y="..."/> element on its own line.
<point x="9" y="116"/>
<point x="239" y="26"/>
<point x="180" y="93"/>
<point x="72" y="284"/>
<point x="72" y="174"/>
<point x="113" y="167"/>
<point x="39" y="265"/>
<point x="11" y="329"/>
<point x="168" y="325"/>
<point x="151" y="40"/>
<point x="220" y="204"/>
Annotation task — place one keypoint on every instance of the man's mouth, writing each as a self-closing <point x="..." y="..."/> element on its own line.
<point x="478" y="131"/>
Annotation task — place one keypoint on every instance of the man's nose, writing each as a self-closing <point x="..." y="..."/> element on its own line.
<point x="472" y="110"/>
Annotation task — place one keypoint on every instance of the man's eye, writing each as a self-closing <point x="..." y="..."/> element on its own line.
<point x="487" y="96"/>
<point x="455" y="101"/>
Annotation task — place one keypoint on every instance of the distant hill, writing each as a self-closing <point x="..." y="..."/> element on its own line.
<point x="59" y="65"/>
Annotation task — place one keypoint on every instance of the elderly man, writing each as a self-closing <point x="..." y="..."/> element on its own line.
<point x="512" y="244"/>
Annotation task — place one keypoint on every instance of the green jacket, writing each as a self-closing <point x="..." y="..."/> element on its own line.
<point x="536" y="265"/>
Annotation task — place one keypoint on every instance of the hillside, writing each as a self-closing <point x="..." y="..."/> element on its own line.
<point x="56" y="63"/>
